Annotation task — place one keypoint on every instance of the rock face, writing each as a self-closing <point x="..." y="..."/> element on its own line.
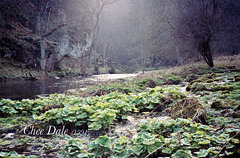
<point x="23" y="24"/>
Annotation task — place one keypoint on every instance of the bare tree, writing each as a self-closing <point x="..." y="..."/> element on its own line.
<point x="200" y="21"/>
<point x="97" y="11"/>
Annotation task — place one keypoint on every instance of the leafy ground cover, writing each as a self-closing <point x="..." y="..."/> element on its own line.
<point x="204" y="119"/>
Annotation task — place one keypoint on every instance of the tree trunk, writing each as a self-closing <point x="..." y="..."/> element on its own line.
<point x="90" y="54"/>
<point x="1" y="25"/>
<point x="0" y="59"/>
<point x="205" y="50"/>
<point x="38" y="24"/>
<point x="43" y="54"/>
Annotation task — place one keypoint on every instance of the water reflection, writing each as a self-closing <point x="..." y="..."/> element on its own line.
<point x="30" y="89"/>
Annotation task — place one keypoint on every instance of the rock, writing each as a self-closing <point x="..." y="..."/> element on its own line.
<point x="218" y="79"/>
<point x="173" y="80"/>
<point x="9" y="136"/>
<point x="208" y="76"/>
<point x="151" y="84"/>
<point x="237" y="78"/>
<point x="218" y="105"/>
<point x="188" y="88"/>
<point x="225" y="91"/>
<point x="222" y="88"/>
<point x="197" y="80"/>
<point x="191" y="77"/>
<point x="209" y="80"/>
<point x="198" y="87"/>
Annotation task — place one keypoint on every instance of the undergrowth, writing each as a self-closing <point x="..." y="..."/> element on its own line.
<point x="110" y="104"/>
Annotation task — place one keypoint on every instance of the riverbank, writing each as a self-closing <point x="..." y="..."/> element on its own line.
<point x="141" y="117"/>
<point x="12" y="70"/>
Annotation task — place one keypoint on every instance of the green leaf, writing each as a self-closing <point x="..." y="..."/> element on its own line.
<point x="235" y="141"/>
<point x="185" y="141"/>
<point x="95" y="126"/>
<point x="104" y="141"/>
<point x="228" y="153"/>
<point x="138" y="149"/>
<point x="70" y="119"/>
<point x="124" y="117"/>
<point x="204" y="142"/>
<point x="182" y="154"/>
<point x="82" y="115"/>
<point x="167" y="150"/>
<point x="3" y="154"/>
<point x="202" y="153"/>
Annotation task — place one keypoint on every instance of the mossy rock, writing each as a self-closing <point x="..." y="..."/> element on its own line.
<point x="161" y="80"/>
<point x="218" y="79"/>
<point x="222" y="88"/>
<point x="198" y="87"/>
<point x="174" y="80"/>
<point x="197" y="80"/>
<point x="188" y="88"/>
<point x="230" y="113"/>
<point x="189" y="108"/>
<point x="209" y="80"/>
<point x="151" y="83"/>
<point x="237" y="78"/>
<point x="191" y="77"/>
<point x="218" y="105"/>
<point x="208" y="76"/>
<point x="225" y="92"/>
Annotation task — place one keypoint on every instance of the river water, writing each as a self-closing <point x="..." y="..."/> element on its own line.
<point x="31" y="89"/>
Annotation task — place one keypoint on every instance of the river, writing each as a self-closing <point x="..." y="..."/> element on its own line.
<point x="18" y="90"/>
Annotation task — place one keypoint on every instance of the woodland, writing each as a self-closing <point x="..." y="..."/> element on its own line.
<point x="181" y="99"/>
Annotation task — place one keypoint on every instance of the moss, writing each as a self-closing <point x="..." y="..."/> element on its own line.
<point x="151" y="84"/>
<point x="197" y="80"/>
<point x="191" y="77"/>
<point x="237" y="79"/>
<point x="225" y="92"/>
<point x="218" y="105"/>
<point x="222" y="88"/>
<point x="218" y="79"/>
<point x="161" y="80"/>
<point x="208" y="76"/>
<point x="209" y="80"/>
<point x="174" y="80"/>
<point x="143" y="82"/>
<point x="198" y="87"/>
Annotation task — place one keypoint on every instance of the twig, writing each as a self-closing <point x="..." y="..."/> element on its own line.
<point x="53" y="30"/>
<point x="157" y="149"/>
<point x="226" y="144"/>
<point x="164" y="144"/>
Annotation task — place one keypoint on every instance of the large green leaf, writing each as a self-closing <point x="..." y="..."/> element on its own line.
<point x="104" y="141"/>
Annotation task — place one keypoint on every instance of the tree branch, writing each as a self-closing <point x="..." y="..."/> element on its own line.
<point x="53" y="30"/>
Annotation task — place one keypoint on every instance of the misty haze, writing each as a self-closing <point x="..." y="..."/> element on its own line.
<point x="119" y="78"/>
